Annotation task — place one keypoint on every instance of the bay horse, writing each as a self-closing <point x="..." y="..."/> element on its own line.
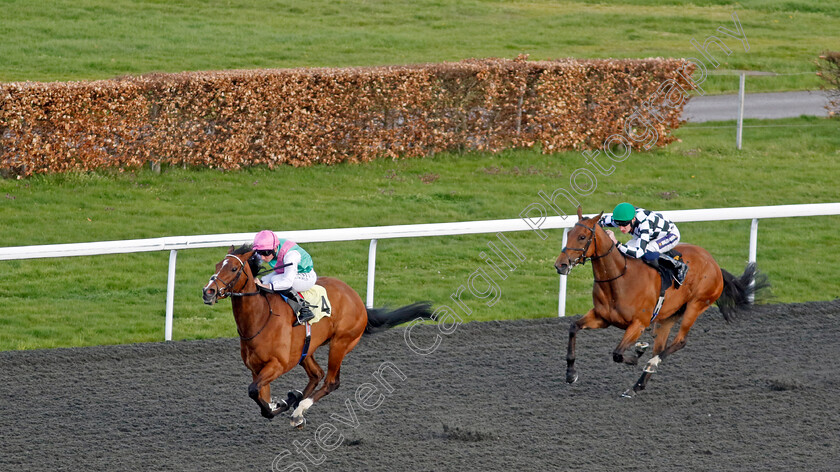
<point x="626" y="291"/>
<point x="270" y="346"/>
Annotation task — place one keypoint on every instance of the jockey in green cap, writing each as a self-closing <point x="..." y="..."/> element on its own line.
<point x="653" y="236"/>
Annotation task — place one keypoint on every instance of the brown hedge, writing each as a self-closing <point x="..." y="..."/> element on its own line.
<point x="231" y="119"/>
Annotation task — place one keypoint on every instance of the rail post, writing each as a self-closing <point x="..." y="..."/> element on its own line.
<point x="170" y="295"/>
<point x="753" y="248"/>
<point x="561" y="303"/>
<point x="371" y="272"/>
<point x="741" y="99"/>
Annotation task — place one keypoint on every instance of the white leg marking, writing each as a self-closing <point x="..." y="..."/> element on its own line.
<point x="652" y="364"/>
<point x="302" y="407"/>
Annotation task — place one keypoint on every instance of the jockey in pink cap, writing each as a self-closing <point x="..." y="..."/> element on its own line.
<point x="293" y="271"/>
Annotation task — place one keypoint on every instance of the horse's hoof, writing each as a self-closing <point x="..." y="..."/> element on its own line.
<point x="641" y="347"/>
<point x="627" y="393"/>
<point x="571" y="378"/>
<point x="298" y="423"/>
<point x="279" y="407"/>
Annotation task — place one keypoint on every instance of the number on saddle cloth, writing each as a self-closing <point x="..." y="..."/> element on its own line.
<point x="318" y="302"/>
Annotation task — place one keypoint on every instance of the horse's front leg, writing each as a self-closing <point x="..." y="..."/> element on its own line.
<point x="294" y="397"/>
<point x="588" y="321"/>
<point x="260" y="388"/>
<point x="631" y="335"/>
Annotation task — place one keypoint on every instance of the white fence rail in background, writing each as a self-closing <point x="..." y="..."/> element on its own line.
<point x="175" y="243"/>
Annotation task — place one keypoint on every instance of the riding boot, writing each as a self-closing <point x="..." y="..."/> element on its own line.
<point x="680" y="268"/>
<point x="652" y="262"/>
<point x="299" y="306"/>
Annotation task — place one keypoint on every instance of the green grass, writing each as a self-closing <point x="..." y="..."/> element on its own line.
<point x="94" y="39"/>
<point x="121" y="298"/>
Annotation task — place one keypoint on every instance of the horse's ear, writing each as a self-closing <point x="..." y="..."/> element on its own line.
<point x="230" y="251"/>
<point x="598" y="218"/>
<point x="580" y="212"/>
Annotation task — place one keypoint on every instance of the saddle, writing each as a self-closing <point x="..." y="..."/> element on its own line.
<point x="315" y="298"/>
<point x="666" y="272"/>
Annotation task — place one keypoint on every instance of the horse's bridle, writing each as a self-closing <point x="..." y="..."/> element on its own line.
<point x="225" y="291"/>
<point x="583" y="258"/>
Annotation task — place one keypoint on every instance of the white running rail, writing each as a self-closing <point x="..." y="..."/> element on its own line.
<point x="373" y="233"/>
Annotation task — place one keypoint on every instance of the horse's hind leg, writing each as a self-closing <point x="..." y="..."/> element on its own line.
<point x="692" y="311"/>
<point x="338" y="349"/>
<point x="588" y="321"/>
<point x="661" y="333"/>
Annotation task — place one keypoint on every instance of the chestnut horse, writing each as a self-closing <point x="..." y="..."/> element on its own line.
<point x="626" y="291"/>
<point x="270" y="346"/>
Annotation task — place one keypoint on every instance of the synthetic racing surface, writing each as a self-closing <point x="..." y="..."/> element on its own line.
<point x="762" y="393"/>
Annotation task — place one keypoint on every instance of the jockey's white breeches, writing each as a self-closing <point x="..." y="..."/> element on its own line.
<point x="291" y="279"/>
<point x="662" y="244"/>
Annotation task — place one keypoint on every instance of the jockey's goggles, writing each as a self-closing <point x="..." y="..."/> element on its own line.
<point x="265" y="252"/>
<point x="623" y="223"/>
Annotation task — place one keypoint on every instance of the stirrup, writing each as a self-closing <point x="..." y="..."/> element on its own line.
<point x="680" y="273"/>
<point x="305" y="315"/>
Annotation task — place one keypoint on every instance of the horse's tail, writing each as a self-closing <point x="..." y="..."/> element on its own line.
<point x="737" y="291"/>
<point x="380" y="319"/>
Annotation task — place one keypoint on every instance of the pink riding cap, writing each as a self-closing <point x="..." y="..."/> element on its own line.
<point x="265" y="239"/>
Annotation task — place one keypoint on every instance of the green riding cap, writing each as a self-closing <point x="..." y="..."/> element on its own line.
<point x="624" y="212"/>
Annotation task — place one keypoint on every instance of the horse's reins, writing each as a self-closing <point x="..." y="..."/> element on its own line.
<point x="582" y="258"/>
<point x="239" y="271"/>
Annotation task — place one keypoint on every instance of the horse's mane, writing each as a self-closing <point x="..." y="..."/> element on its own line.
<point x="254" y="263"/>
<point x="243" y="249"/>
<point x="586" y="218"/>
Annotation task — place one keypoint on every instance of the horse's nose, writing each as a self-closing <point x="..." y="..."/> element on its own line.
<point x="209" y="295"/>
<point x="562" y="269"/>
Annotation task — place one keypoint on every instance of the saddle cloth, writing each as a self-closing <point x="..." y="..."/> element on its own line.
<point x="318" y="302"/>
